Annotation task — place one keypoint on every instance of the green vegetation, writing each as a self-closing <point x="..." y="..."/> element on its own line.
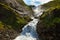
<point x="11" y="22"/>
<point x="20" y="2"/>
<point x="49" y="24"/>
<point x="52" y="5"/>
<point x="48" y="16"/>
<point x="10" y="18"/>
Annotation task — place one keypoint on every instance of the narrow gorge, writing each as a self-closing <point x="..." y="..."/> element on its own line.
<point x="29" y="19"/>
<point x="29" y="31"/>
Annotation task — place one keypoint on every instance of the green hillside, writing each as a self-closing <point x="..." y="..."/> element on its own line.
<point x="49" y="24"/>
<point x="11" y="22"/>
<point x="10" y="18"/>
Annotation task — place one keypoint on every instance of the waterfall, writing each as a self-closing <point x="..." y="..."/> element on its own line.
<point x="29" y="30"/>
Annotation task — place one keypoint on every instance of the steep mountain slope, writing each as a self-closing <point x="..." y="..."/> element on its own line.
<point x="49" y="26"/>
<point x="16" y="4"/>
<point x="13" y="18"/>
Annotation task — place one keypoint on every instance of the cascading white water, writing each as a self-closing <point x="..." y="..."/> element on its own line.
<point x="29" y="30"/>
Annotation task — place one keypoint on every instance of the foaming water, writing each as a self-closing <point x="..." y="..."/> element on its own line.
<point x="29" y="30"/>
<point x="38" y="11"/>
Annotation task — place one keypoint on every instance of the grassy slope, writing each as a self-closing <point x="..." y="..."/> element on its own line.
<point x="49" y="24"/>
<point x="10" y="18"/>
<point x="11" y="22"/>
<point x="48" y="13"/>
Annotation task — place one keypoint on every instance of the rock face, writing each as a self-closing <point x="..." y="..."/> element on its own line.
<point x="48" y="26"/>
<point x="18" y="6"/>
<point x="13" y="16"/>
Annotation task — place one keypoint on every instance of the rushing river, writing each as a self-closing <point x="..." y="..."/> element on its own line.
<point x="29" y="30"/>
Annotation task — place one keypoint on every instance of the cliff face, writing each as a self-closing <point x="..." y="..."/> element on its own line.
<point x="48" y="27"/>
<point x="13" y="16"/>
